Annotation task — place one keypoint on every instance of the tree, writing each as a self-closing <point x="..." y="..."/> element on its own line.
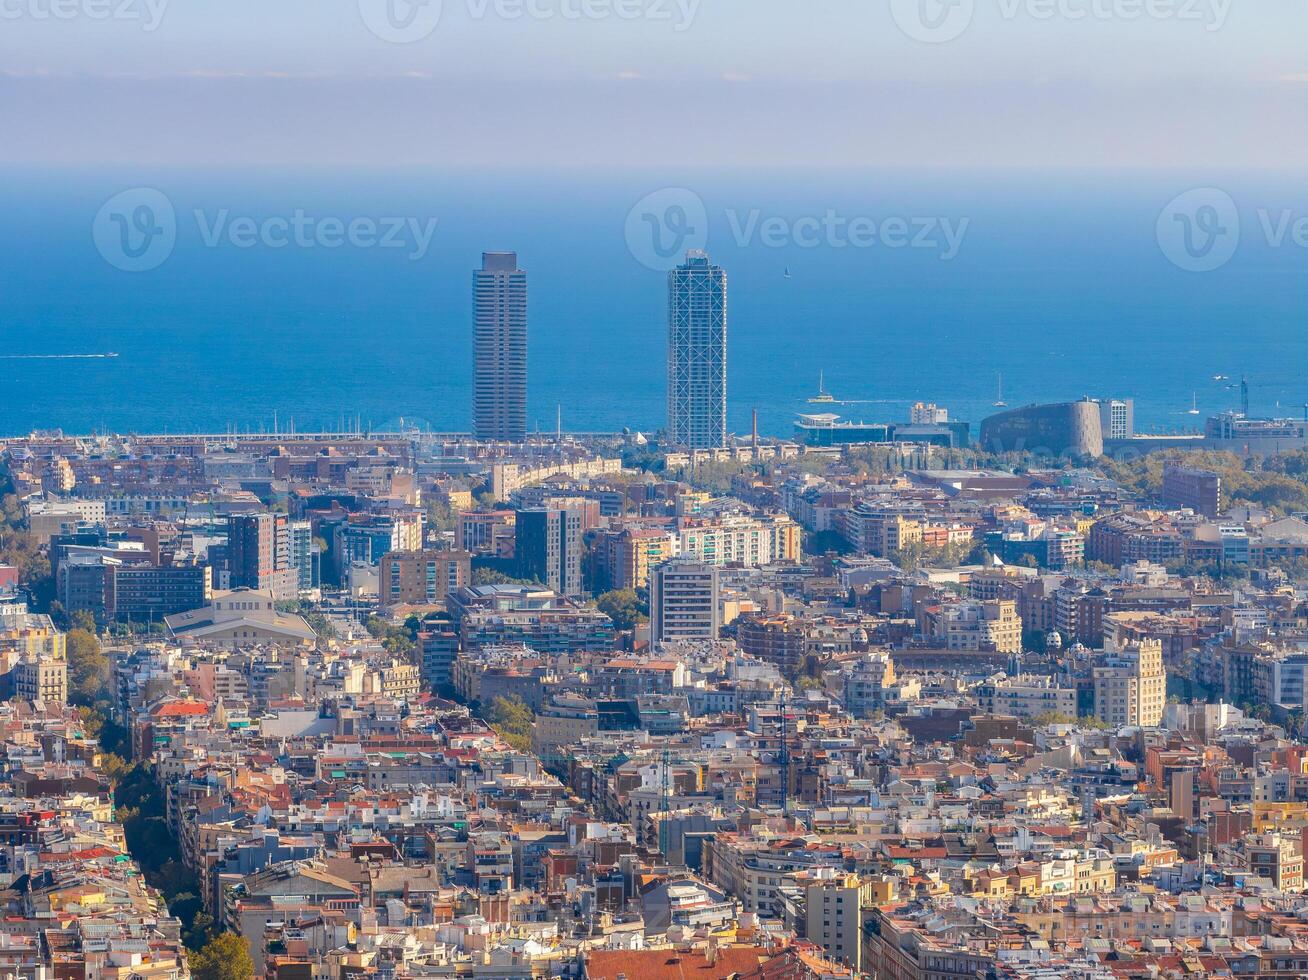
<point x="513" y="720"/>
<point x="88" y="668"/>
<point x="622" y="606"/>
<point x="224" y="957"/>
<point x="489" y="576"/>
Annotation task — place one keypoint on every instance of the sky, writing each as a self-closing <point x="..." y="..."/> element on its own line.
<point x="591" y="84"/>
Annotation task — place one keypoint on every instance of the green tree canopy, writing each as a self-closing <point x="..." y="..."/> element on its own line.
<point x="513" y="720"/>
<point x="225" y="957"/>
<point x="623" y="606"/>
<point x="88" y="667"/>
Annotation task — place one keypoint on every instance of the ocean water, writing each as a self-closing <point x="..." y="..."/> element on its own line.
<point x="1058" y="281"/>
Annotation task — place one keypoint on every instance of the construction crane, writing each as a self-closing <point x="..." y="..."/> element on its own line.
<point x="1246" y="384"/>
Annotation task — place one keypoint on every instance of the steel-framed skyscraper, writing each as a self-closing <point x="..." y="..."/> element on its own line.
<point x="499" y="348"/>
<point x="697" y="354"/>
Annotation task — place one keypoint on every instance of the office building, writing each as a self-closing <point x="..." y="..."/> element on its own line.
<point x="1117" y="417"/>
<point x="683" y="601"/>
<point x="422" y="577"/>
<point x="1199" y="490"/>
<point x="697" y="354"/>
<point x="499" y="313"/>
<point x="547" y="544"/>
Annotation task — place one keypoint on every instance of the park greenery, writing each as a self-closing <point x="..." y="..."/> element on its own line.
<point x="624" y="607"/>
<point x="513" y="721"/>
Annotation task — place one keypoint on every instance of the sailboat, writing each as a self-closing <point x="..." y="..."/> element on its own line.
<point x="787" y="275"/>
<point x="1195" y="409"/>
<point x="999" y="402"/>
<point x="823" y="397"/>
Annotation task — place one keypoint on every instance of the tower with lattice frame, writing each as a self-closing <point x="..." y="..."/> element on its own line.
<point x="697" y="354"/>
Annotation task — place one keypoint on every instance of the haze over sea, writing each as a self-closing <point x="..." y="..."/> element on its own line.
<point x="1059" y="283"/>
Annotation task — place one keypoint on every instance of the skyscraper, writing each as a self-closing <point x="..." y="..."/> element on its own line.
<point x="499" y="348"/>
<point x="697" y="354"/>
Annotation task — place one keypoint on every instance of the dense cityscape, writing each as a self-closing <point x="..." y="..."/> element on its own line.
<point x="913" y="699"/>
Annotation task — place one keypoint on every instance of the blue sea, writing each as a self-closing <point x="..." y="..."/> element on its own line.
<point x="1058" y="281"/>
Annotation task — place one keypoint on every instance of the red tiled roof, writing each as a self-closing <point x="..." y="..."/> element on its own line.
<point x="670" y="964"/>
<point x="182" y="709"/>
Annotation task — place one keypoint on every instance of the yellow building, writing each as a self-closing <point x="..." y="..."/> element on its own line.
<point x="1131" y="685"/>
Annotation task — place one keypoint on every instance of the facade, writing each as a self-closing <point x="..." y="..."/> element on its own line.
<point x="548" y="548"/>
<point x="1117" y="417"/>
<point x="301" y="542"/>
<point x="259" y="553"/>
<point x="779" y="640"/>
<point x="1026" y="696"/>
<point x="683" y="602"/>
<point x="991" y="624"/>
<point x="146" y="594"/>
<point x="867" y="684"/>
<point x="499" y="340"/>
<point x="1131" y="686"/>
<point x="834" y="909"/>
<point x="1071" y="428"/>
<point x="37" y="679"/>
<point x="422" y="577"/>
<point x="626" y="556"/>
<point x="1199" y="490"/>
<point x="697" y="354"/>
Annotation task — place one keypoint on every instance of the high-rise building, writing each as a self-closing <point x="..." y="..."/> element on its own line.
<point x="547" y="545"/>
<point x="1131" y="685"/>
<point x="260" y="555"/>
<point x="1117" y="417"/>
<point x="683" y="601"/>
<point x="499" y="324"/>
<point x="301" y="539"/>
<point x="420" y="577"/>
<point x="697" y="354"/>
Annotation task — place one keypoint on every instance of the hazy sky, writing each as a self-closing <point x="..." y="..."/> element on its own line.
<point x="617" y="83"/>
